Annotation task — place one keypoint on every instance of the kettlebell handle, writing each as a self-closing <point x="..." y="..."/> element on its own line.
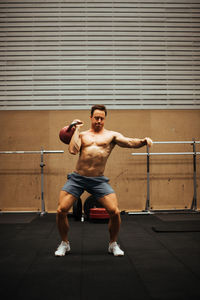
<point x="71" y="125"/>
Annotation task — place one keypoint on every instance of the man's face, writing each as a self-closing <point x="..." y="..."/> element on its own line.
<point x="98" y="120"/>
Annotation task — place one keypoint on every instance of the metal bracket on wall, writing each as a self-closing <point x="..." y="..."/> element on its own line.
<point x="41" y="152"/>
<point x="148" y="154"/>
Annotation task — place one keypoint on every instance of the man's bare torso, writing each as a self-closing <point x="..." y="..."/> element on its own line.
<point x="95" y="150"/>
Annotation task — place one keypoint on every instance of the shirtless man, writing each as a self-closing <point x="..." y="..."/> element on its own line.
<point x="94" y="147"/>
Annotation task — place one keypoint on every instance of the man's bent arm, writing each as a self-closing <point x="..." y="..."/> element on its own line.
<point x="75" y="143"/>
<point x="126" y="142"/>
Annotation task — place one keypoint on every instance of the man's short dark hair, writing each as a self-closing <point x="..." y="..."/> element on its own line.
<point x="100" y="107"/>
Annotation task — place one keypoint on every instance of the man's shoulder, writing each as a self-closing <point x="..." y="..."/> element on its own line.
<point x="113" y="133"/>
<point x="109" y="131"/>
<point x="84" y="132"/>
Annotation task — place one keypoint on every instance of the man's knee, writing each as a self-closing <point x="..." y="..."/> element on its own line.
<point x="114" y="212"/>
<point x="61" y="210"/>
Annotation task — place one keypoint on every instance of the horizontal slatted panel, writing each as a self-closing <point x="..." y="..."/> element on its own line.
<point x="124" y="54"/>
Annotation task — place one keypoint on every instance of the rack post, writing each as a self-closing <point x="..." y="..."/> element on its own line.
<point x="43" y="212"/>
<point x="194" y="202"/>
<point x="148" y="182"/>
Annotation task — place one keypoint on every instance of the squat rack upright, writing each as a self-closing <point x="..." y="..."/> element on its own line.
<point x="148" y="154"/>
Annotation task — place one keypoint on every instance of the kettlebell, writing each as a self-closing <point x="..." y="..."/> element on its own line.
<point x="67" y="132"/>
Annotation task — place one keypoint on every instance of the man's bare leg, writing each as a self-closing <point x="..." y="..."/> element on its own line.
<point x="110" y="203"/>
<point x="66" y="201"/>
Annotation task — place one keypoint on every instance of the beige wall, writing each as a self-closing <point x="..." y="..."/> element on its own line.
<point x="171" y="184"/>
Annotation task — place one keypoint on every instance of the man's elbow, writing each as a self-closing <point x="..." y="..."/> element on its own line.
<point x="131" y="144"/>
<point x="138" y="143"/>
<point x="74" y="148"/>
<point x="73" y="151"/>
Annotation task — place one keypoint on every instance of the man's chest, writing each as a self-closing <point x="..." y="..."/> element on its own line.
<point x="99" y="140"/>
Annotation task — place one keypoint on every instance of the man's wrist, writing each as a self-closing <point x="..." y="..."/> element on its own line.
<point x="77" y="128"/>
<point x="144" y="141"/>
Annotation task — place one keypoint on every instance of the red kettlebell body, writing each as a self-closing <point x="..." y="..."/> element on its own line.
<point x="66" y="133"/>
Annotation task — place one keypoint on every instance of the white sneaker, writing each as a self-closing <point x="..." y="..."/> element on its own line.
<point x="114" y="248"/>
<point x="62" y="249"/>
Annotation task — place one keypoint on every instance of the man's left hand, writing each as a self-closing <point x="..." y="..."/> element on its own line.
<point x="149" y="141"/>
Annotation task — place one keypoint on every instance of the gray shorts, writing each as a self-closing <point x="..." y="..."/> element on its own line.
<point x="97" y="186"/>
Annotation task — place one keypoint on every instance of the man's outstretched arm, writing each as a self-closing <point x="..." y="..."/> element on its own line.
<point x="126" y="142"/>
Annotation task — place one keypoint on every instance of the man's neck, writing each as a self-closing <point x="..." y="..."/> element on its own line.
<point x="96" y="131"/>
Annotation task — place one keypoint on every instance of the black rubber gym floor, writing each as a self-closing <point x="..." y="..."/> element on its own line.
<point x="162" y="259"/>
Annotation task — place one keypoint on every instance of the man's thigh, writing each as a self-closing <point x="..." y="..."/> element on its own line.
<point x="110" y="203"/>
<point x="66" y="201"/>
